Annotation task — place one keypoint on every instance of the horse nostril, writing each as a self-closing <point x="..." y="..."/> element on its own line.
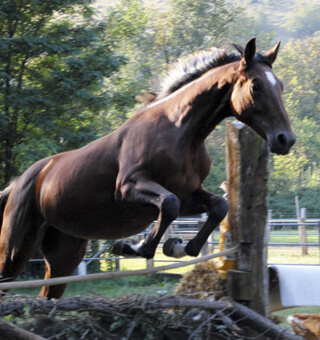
<point x="282" y="139"/>
<point x="280" y="143"/>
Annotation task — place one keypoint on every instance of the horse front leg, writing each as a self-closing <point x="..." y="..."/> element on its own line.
<point x="146" y="191"/>
<point x="200" y="202"/>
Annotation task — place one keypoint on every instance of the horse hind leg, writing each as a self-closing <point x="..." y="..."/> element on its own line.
<point x="144" y="190"/>
<point x="62" y="254"/>
<point x="21" y="229"/>
<point x="201" y="201"/>
<point x="22" y="225"/>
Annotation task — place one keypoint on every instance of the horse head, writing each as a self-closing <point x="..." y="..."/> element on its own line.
<point x="256" y="98"/>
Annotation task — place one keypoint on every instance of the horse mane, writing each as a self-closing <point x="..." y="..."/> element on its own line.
<point x="192" y="67"/>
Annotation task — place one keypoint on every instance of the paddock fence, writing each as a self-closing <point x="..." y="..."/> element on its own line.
<point x="299" y="234"/>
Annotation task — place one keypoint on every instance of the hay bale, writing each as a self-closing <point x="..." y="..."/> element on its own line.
<point x="203" y="282"/>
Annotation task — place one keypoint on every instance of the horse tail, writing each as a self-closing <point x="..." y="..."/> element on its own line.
<point x="4" y="195"/>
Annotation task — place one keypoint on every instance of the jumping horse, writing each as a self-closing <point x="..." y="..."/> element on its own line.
<point x="151" y="168"/>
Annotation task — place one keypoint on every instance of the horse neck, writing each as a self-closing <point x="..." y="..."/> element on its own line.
<point x="202" y="105"/>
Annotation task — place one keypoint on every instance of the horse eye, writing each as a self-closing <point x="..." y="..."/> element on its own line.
<point x="255" y="87"/>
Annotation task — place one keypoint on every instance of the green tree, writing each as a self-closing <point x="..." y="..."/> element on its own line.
<point x="201" y="24"/>
<point x="303" y="20"/>
<point x="298" y="173"/>
<point x="53" y="62"/>
<point x="128" y="25"/>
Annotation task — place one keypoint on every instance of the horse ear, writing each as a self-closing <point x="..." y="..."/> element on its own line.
<point x="273" y="52"/>
<point x="248" y="53"/>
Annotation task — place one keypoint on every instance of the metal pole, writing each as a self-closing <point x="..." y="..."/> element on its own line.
<point x="303" y="230"/>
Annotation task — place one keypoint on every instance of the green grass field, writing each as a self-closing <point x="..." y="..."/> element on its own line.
<point x="156" y="285"/>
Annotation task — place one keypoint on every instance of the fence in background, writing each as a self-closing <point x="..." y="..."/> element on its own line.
<point x="186" y="228"/>
<point x="284" y="229"/>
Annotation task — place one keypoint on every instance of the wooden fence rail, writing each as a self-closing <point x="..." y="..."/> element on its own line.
<point x="109" y="275"/>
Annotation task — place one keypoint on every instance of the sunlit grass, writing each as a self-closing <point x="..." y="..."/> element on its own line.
<point x="292" y="239"/>
<point x="276" y="255"/>
<point x="159" y="260"/>
<point x="293" y="255"/>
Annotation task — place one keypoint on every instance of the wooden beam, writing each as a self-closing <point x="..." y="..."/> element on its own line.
<point x="247" y="172"/>
<point x="109" y="275"/>
<point x="239" y="283"/>
<point x="12" y="332"/>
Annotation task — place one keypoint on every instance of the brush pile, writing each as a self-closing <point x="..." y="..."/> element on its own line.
<point x="131" y="317"/>
<point x="197" y="311"/>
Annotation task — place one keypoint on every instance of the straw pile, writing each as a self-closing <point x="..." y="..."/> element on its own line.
<point x="203" y="282"/>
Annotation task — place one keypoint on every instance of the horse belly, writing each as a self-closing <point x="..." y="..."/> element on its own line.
<point x="105" y="221"/>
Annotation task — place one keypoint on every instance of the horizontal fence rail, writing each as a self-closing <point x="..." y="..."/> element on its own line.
<point x="110" y="275"/>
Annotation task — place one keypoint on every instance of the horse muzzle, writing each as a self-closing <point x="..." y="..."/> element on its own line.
<point x="282" y="142"/>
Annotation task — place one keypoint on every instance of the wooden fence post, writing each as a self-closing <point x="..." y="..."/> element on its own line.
<point x="318" y="225"/>
<point x="303" y="230"/>
<point x="82" y="268"/>
<point x="247" y="172"/>
<point x="205" y="249"/>
<point x="150" y="264"/>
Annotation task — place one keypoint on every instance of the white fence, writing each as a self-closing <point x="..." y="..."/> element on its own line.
<point x="186" y="228"/>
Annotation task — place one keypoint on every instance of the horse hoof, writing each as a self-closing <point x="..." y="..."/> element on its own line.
<point x="174" y="247"/>
<point x="123" y="247"/>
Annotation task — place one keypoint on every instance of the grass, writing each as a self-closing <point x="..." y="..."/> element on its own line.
<point x="292" y="236"/>
<point x="159" y="260"/>
<point x="156" y="285"/>
<point x="292" y="239"/>
<point x="292" y="255"/>
<point x="297" y="310"/>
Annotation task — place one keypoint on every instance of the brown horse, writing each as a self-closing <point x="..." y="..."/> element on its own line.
<point x="152" y="167"/>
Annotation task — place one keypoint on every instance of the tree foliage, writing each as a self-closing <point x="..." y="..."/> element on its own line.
<point x="53" y="62"/>
<point x="298" y="174"/>
<point x="303" y="20"/>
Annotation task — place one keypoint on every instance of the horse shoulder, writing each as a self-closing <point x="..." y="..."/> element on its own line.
<point x="196" y="168"/>
<point x="202" y="162"/>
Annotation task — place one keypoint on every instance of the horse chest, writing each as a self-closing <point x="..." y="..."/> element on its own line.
<point x="183" y="185"/>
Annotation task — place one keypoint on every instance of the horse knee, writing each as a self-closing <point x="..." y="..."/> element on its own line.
<point x="219" y="208"/>
<point x="170" y="207"/>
